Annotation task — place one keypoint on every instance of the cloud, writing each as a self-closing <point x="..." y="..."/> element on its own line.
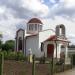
<point x="25" y="8"/>
<point x="62" y="7"/>
<point x="15" y="14"/>
<point x="36" y="6"/>
<point x="70" y="3"/>
<point x="2" y="10"/>
<point x="9" y="27"/>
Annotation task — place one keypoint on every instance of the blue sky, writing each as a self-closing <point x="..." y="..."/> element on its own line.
<point x="14" y="14"/>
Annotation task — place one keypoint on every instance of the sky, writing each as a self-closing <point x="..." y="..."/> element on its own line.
<point x="14" y="14"/>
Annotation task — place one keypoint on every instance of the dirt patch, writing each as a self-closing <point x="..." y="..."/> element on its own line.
<point x="23" y="68"/>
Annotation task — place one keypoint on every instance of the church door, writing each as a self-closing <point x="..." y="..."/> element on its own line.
<point x="50" y="50"/>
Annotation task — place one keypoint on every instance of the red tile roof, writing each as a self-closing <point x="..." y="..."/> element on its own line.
<point x="35" y="20"/>
<point x="53" y="37"/>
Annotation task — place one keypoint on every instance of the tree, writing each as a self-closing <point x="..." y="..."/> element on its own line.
<point x="1" y="40"/>
<point x="1" y="36"/>
<point x="0" y="44"/>
<point x="8" y="45"/>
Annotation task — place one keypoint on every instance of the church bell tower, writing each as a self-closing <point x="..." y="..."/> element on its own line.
<point x="34" y="26"/>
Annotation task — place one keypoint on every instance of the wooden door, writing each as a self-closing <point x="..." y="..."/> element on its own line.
<point x="50" y="50"/>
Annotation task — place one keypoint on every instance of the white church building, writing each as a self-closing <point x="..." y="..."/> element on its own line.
<point x="42" y="42"/>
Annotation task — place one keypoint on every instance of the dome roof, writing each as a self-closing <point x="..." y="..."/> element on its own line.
<point x="35" y="20"/>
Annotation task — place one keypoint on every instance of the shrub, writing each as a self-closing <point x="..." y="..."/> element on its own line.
<point x="20" y="56"/>
<point x="5" y="54"/>
<point x="12" y="55"/>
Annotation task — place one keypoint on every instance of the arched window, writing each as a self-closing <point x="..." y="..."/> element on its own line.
<point x="31" y="27"/>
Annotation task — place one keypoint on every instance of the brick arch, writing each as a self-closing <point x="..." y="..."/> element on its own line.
<point x="62" y="27"/>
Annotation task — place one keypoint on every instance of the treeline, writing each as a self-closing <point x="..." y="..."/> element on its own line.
<point x="71" y="46"/>
<point x="9" y="45"/>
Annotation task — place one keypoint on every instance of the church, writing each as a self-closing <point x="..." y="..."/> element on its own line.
<point x="41" y="42"/>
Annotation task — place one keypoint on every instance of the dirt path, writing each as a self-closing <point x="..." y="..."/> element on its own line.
<point x="70" y="72"/>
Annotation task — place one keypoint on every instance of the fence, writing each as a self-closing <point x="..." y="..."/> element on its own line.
<point x="41" y="66"/>
<point x="50" y="63"/>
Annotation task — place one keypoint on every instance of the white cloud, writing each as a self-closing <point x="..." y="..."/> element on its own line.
<point x="36" y="6"/>
<point x="25" y="8"/>
<point x="8" y="27"/>
<point x="2" y="10"/>
<point x="70" y="3"/>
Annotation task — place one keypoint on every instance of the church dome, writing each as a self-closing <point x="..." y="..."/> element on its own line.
<point x="35" y="20"/>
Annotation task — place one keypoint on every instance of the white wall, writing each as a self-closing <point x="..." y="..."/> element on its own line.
<point x="45" y="34"/>
<point x="56" y="47"/>
<point x="33" y="44"/>
<point x="45" y="47"/>
<point x="20" y="34"/>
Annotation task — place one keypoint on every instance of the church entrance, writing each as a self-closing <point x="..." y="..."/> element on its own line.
<point x="20" y="44"/>
<point x="50" y="50"/>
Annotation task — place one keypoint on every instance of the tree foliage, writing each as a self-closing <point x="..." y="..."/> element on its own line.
<point x="1" y="40"/>
<point x="8" y="45"/>
<point x="1" y="35"/>
<point x="0" y="44"/>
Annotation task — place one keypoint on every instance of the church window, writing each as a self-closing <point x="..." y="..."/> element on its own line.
<point x="30" y="27"/>
<point x="35" y="26"/>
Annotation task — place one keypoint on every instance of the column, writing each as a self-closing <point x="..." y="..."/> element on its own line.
<point x="58" y="51"/>
<point x="67" y="59"/>
<point x="66" y="51"/>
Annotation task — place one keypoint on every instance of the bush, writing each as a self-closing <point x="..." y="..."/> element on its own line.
<point x="12" y="55"/>
<point x="5" y="54"/>
<point x="20" y="56"/>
